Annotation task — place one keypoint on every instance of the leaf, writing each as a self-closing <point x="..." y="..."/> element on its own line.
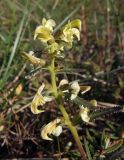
<point x="82" y="102"/>
<point x="84" y="89"/>
<point x="117" y="154"/>
<point x="105" y="111"/>
<point x="114" y="147"/>
<point x="67" y="18"/>
<point x="87" y="149"/>
<point x="89" y="137"/>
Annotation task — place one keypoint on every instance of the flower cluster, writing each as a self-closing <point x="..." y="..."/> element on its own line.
<point x="54" y="44"/>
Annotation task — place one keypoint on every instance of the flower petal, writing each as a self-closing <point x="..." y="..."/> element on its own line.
<point x="37" y="101"/>
<point x="84" y="114"/>
<point x="76" y="24"/>
<point x="44" y="21"/>
<point x="75" y="88"/>
<point x="50" y="24"/>
<point x="76" y="32"/>
<point x="57" y="131"/>
<point x="43" y="34"/>
<point x="41" y="88"/>
<point x="49" y="129"/>
<point x="48" y="98"/>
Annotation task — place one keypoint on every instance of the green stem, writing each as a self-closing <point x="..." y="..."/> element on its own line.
<point x="63" y="111"/>
<point x="53" y="77"/>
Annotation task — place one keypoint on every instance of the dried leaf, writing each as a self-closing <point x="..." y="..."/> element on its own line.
<point x="84" y="89"/>
<point x="32" y="59"/>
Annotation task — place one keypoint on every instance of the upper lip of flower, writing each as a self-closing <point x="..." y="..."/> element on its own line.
<point x="50" y="23"/>
<point x="75" y="89"/>
<point x="69" y="31"/>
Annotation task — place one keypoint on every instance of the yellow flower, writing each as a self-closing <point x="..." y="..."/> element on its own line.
<point x="69" y="31"/>
<point x="44" y="31"/>
<point x="39" y="100"/>
<point x="51" y="128"/>
<point x="84" y="114"/>
<point x="76" y="88"/>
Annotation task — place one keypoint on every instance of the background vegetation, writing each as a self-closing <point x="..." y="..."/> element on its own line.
<point x="97" y="60"/>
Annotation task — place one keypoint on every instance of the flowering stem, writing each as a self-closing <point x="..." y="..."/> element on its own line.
<point x="63" y="111"/>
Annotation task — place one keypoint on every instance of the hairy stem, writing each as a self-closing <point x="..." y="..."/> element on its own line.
<point x="63" y="111"/>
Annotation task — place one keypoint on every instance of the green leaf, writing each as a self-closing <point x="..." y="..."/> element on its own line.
<point x="105" y="111"/>
<point x="89" y="136"/>
<point x="114" y="147"/>
<point x="87" y="149"/>
<point x="80" y="101"/>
